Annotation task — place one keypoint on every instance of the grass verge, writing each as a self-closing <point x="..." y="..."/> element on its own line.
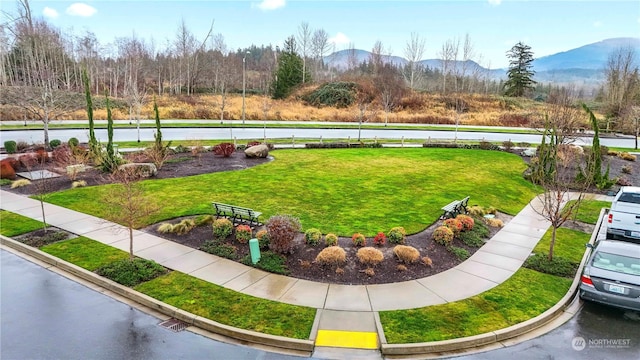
<point x="12" y="224"/>
<point x="229" y="307"/>
<point x="339" y="190"/>
<point x="570" y="244"/>
<point x="525" y="295"/>
<point x="86" y="253"/>
<point x="589" y="210"/>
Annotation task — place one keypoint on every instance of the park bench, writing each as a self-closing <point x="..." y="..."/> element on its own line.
<point x="237" y="214"/>
<point x="454" y="208"/>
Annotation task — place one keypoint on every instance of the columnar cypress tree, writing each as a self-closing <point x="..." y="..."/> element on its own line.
<point x="520" y="75"/>
<point x="93" y="142"/>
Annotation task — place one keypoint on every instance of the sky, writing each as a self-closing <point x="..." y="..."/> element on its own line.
<point x="493" y="26"/>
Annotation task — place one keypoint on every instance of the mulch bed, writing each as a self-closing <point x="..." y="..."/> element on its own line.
<point x="300" y="262"/>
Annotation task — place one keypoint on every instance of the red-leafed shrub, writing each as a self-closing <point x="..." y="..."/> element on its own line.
<point x="62" y="154"/>
<point x="380" y="239"/>
<point x="28" y="161"/>
<point x="224" y="149"/>
<point x="253" y="143"/>
<point x="12" y="162"/>
<point x="282" y="230"/>
<point x="42" y="155"/>
<point x="454" y="224"/>
<point x="358" y="240"/>
<point x="7" y="171"/>
<point x="466" y="221"/>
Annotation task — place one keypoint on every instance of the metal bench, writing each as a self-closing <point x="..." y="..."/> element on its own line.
<point x="237" y="214"/>
<point x="454" y="208"/>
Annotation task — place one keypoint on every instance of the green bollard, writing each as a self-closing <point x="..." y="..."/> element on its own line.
<point x="254" y="247"/>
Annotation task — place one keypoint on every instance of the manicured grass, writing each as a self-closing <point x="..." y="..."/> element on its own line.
<point x="340" y="191"/>
<point x="229" y="307"/>
<point x="589" y="210"/>
<point x="12" y="224"/>
<point x="570" y="244"/>
<point x="86" y="253"/>
<point x="525" y="295"/>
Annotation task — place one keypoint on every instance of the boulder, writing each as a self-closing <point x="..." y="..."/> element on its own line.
<point x="143" y="169"/>
<point x="529" y="152"/>
<point x="257" y="151"/>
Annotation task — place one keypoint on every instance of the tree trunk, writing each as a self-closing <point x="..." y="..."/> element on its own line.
<point x="553" y="242"/>
<point x="130" y="243"/>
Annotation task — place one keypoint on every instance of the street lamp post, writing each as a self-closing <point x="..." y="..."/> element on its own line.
<point x="244" y="82"/>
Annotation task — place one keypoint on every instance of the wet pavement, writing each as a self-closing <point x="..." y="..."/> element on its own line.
<point x="47" y="316"/>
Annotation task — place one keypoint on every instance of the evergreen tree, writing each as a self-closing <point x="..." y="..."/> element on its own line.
<point x="93" y="142"/>
<point x="520" y="74"/>
<point x="289" y="72"/>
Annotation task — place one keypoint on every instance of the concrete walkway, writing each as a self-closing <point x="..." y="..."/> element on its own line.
<point x="342" y="307"/>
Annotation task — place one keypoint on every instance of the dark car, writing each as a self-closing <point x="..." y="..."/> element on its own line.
<point x="612" y="275"/>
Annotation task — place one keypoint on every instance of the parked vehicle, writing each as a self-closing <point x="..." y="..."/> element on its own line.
<point x="623" y="220"/>
<point x="611" y="276"/>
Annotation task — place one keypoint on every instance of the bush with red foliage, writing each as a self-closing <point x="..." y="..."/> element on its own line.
<point x="253" y="143"/>
<point x="6" y="170"/>
<point x="380" y="239"/>
<point x="282" y="230"/>
<point x="12" y="162"/>
<point x="62" y="154"/>
<point x="28" y="161"/>
<point x="224" y="149"/>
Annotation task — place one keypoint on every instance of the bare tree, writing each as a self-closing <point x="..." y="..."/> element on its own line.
<point x="376" y="57"/>
<point x="304" y="42"/>
<point x="622" y="85"/>
<point x="468" y="53"/>
<point x="352" y="58"/>
<point x="414" y="52"/>
<point x="319" y="47"/>
<point x="448" y="54"/>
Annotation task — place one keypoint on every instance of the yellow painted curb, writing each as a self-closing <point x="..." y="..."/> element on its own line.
<point x="347" y="339"/>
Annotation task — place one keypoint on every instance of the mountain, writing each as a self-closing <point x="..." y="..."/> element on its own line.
<point x="583" y="65"/>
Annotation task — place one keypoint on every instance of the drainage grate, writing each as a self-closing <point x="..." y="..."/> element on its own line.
<point x="174" y="325"/>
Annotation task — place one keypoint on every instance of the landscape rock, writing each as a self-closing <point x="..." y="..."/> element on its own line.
<point x="146" y="169"/>
<point x="529" y="152"/>
<point x="257" y="151"/>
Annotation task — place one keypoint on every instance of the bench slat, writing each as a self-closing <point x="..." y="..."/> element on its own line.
<point x="237" y="213"/>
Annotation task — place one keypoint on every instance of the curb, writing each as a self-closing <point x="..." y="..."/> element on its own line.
<point x="189" y="318"/>
<point x="470" y="342"/>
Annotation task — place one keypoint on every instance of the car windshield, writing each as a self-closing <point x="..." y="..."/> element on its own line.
<point x="618" y="263"/>
<point x="630" y="197"/>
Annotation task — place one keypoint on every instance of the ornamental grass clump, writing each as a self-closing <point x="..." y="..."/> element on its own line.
<point x="20" y="183"/>
<point x="331" y="239"/>
<point x="222" y="228"/>
<point x="443" y="235"/>
<point x="358" y="239"/>
<point x="332" y="255"/>
<point x="243" y="233"/>
<point x="282" y="231"/>
<point x="370" y="256"/>
<point x="312" y="237"/>
<point x="380" y="239"/>
<point x="406" y="254"/>
<point x="466" y="221"/>
<point x="454" y="224"/>
<point x="183" y="227"/>
<point x="397" y="235"/>
<point x="165" y="228"/>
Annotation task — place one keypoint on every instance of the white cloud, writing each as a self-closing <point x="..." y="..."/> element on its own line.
<point x="271" y="4"/>
<point x="339" y="39"/>
<point x="597" y="23"/>
<point x="81" y="9"/>
<point x="495" y="2"/>
<point x="49" y="12"/>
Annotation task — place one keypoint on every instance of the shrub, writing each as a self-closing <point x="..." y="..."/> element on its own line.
<point x="331" y="240"/>
<point x="369" y="272"/>
<point x="397" y="235"/>
<point x="222" y="228"/>
<point x="481" y="229"/>
<point x="454" y="224"/>
<point x="79" y="183"/>
<point x="204" y="220"/>
<point x="55" y="143"/>
<point x="627" y="169"/>
<point x="62" y="155"/>
<point x="263" y="239"/>
<point x="73" y="142"/>
<point x="623" y="181"/>
<point x="466" y="221"/>
<point x="427" y="261"/>
<point x="380" y="239"/>
<point x="243" y="233"/>
<point x="370" y="256"/>
<point x="406" y="254"/>
<point x="20" y="183"/>
<point x="131" y="273"/>
<point x="42" y="156"/>
<point x="282" y="231"/>
<point x="332" y="255"/>
<point x="4" y="182"/>
<point x="508" y="145"/>
<point x="358" y="239"/>
<point x="443" y="235"/>
<point x="223" y="250"/>
<point x="559" y="266"/>
<point x="224" y="149"/>
<point x="459" y="252"/>
<point x="28" y="161"/>
<point x="22" y="146"/>
<point x="471" y="239"/>
<point x="48" y="238"/>
<point x="476" y="210"/>
<point x="12" y="162"/>
<point x="627" y="156"/>
<point x="338" y="94"/>
<point x="401" y="267"/>
<point x="269" y="261"/>
<point x="165" y="228"/>
<point x="339" y="271"/>
<point x="312" y="237"/>
<point x="10" y="146"/>
<point x="495" y="222"/>
<point x="252" y="143"/>
<point x="7" y="171"/>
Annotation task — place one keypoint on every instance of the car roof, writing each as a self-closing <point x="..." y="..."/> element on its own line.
<point x="633" y="189"/>
<point x="619" y="247"/>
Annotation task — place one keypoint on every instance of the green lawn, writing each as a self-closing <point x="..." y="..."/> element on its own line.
<point x="12" y="224"/>
<point x="570" y="244"/>
<point x="340" y="191"/>
<point x="589" y="210"/>
<point x="86" y="253"/>
<point x="229" y="307"/>
<point x="525" y="295"/>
